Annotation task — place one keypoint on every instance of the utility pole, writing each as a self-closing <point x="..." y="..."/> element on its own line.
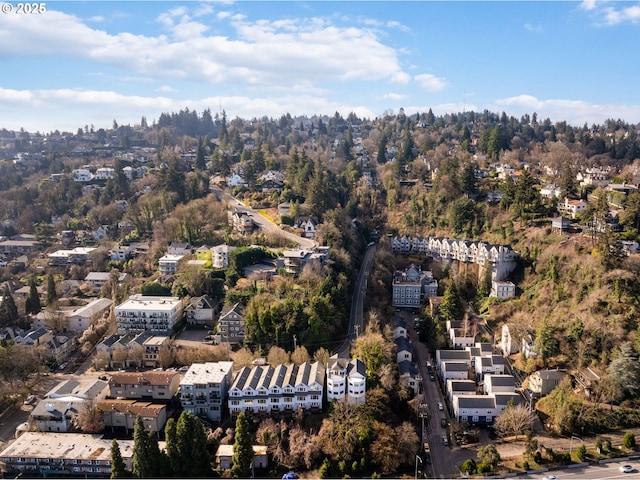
<point x="295" y="342"/>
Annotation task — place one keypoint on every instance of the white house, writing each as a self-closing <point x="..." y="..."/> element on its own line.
<point x="220" y="255"/>
<point x="404" y="349"/>
<point x="105" y="173"/>
<point x="454" y="371"/>
<point x="543" y="381"/>
<point x="203" y="390"/>
<point x="459" y="387"/>
<point x="571" y="208"/>
<point x="231" y="325"/>
<point x="346" y="379"/>
<point x="169" y="264"/>
<point x="503" y="290"/>
<point x="496" y="383"/>
<point x="80" y="319"/>
<point x="82" y="175"/>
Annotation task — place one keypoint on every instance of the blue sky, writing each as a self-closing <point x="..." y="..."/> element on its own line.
<point x="83" y="63"/>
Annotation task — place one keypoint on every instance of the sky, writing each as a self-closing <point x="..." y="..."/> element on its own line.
<point x="89" y="63"/>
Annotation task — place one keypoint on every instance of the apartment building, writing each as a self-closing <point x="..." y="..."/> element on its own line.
<point x="140" y="313"/>
<point x="203" y="390"/>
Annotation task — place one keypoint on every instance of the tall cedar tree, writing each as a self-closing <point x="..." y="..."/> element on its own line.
<point x="140" y="462"/>
<point x="118" y="467"/>
<point x="242" y="449"/>
<point x="8" y="309"/>
<point x="451" y="307"/>
<point x="52" y="295"/>
<point x="186" y="447"/>
<point x="32" y="304"/>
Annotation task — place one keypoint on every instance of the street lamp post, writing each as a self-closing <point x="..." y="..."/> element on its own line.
<point x="571" y="443"/>
<point x="420" y="459"/>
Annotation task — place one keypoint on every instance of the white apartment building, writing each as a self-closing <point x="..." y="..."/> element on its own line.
<point x="140" y="313"/>
<point x="203" y="390"/>
<point x="285" y="388"/>
<point x="411" y="286"/>
<point x="82" y="175"/>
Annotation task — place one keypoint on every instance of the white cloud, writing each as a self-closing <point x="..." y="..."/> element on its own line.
<point x="533" y="28"/>
<point x="431" y="83"/>
<point x="392" y="96"/>
<point x="262" y="52"/>
<point x="575" y="112"/>
<point x="588" y="5"/>
<point x="613" y="16"/>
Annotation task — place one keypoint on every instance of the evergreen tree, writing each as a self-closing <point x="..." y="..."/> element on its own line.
<point x="187" y="452"/>
<point x="8" y="309"/>
<point x="451" y="307"/>
<point x="140" y="461"/>
<point x="242" y="449"/>
<point x="52" y="295"/>
<point x="201" y="162"/>
<point x="118" y="467"/>
<point x="32" y="304"/>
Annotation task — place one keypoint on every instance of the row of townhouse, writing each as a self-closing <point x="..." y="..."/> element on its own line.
<point x="133" y="349"/>
<point x="500" y="258"/>
<point x="475" y="385"/>
<point x="265" y="389"/>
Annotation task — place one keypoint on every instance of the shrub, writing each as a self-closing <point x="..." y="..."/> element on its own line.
<point x="629" y="441"/>
<point x="581" y="453"/>
<point x="525" y="466"/>
<point x="469" y="467"/>
<point x="607" y="445"/>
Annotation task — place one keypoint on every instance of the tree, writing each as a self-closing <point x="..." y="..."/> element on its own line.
<point x="489" y="455"/>
<point x="89" y="418"/>
<point x="186" y="447"/>
<point x="118" y="467"/>
<point x="52" y="295"/>
<point x="546" y="342"/>
<point x="300" y="355"/>
<point x="515" y="420"/>
<point x="242" y="449"/>
<point x="140" y="462"/>
<point x="8" y="309"/>
<point x="277" y="356"/>
<point x="451" y="307"/>
<point x="32" y="304"/>
<point x="629" y="441"/>
<point x="469" y="467"/>
<point x="625" y="368"/>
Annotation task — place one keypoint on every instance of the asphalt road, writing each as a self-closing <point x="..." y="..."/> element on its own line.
<point x="357" y="302"/>
<point x="591" y="472"/>
<point x="261" y="222"/>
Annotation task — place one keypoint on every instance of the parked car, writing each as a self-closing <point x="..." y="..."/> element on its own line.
<point x="29" y="400"/>
<point x="443" y="423"/>
<point x="445" y="441"/>
<point x="62" y="366"/>
<point x="432" y="377"/>
<point x="440" y="406"/>
<point x="627" y="468"/>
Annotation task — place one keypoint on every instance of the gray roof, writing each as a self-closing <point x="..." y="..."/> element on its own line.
<point x="455" y="367"/>
<point x="476" y="401"/>
<point x="501" y="380"/>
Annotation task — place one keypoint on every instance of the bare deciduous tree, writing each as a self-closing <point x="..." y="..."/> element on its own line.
<point x="515" y="420"/>
<point x="89" y="418"/>
<point x="277" y="356"/>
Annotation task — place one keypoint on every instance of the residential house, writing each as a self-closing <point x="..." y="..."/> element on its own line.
<point x="56" y="412"/>
<point x="201" y="311"/>
<point x="121" y="253"/>
<point x="179" y="248"/>
<point x="542" y="382"/>
<point x="404" y="349"/>
<point x="502" y="290"/>
<point x="241" y="221"/>
<point x="409" y="376"/>
<point x="152" y="385"/>
<point x="550" y="191"/>
<point x="452" y="370"/>
<point x="63" y="454"/>
<point x="455" y="387"/>
<point x="236" y="180"/>
<point x="122" y="414"/>
<point x="203" y="390"/>
<point x="411" y="286"/>
<point x="101" y="232"/>
<point x="572" y="208"/>
<point x="474" y="409"/>
<point x="264" y="389"/>
<point x="296" y="259"/>
<point x="231" y="325"/>
<point x="452" y="356"/>
<point x="224" y="457"/>
<point x="399" y="327"/>
<point x="560" y="225"/>
<point x="80" y="319"/>
<point x="98" y="279"/>
<point x="82" y="175"/>
<point x="105" y="173"/>
<point x="152" y="348"/>
<point x="497" y="383"/>
<point x="76" y="256"/>
<point x="133" y="349"/>
<point x="308" y="224"/>
<point x="168" y="264"/>
<point x="346" y="379"/>
<point x="204" y="254"/>
<point x="158" y="315"/>
<point x="220" y="255"/>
